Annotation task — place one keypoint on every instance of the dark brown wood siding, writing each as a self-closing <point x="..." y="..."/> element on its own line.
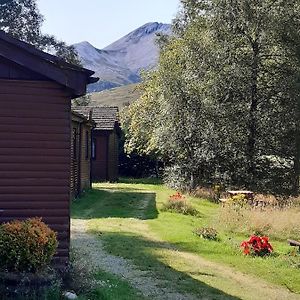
<point x="80" y="158"/>
<point x="105" y="163"/>
<point x="35" y="156"/>
<point x="113" y="156"/>
<point x="85" y="167"/>
<point x="75" y="161"/>
<point x="99" y="163"/>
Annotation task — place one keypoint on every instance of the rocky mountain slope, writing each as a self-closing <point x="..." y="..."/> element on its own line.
<point x="121" y="62"/>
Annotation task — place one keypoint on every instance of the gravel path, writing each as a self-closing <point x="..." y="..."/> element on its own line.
<point x="92" y="248"/>
<point x="214" y="274"/>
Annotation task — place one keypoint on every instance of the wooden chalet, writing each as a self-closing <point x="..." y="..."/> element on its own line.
<point x="36" y="89"/>
<point x="105" y="142"/>
<point x="80" y="153"/>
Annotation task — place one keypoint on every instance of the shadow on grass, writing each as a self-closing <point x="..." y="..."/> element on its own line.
<point x="114" y="203"/>
<point x="152" y="181"/>
<point x="146" y="255"/>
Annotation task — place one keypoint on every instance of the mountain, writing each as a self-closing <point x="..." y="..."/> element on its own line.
<point x="121" y="62"/>
<point x="119" y="96"/>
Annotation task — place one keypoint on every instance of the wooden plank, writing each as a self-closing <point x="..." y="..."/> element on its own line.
<point x="29" y="190"/>
<point x="22" y="205"/>
<point x="25" y="121"/>
<point x="33" y="212"/>
<point x="34" y="128"/>
<point x="25" y="152"/>
<point x="34" y="197"/>
<point x="34" y="167"/>
<point x="17" y="112"/>
<point x="294" y="243"/>
<point x="32" y="182"/>
<point x="38" y="106"/>
<point x="35" y="144"/>
<point x="31" y="174"/>
<point x="35" y="137"/>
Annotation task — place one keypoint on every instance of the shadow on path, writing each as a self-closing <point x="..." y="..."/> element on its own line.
<point x="118" y="203"/>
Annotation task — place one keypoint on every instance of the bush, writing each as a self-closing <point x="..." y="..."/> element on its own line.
<point x="178" y="203"/>
<point x="207" y="233"/>
<point x="26" y="246"/>
<point x="237" y="200"/>
<point x="257" y="245"/>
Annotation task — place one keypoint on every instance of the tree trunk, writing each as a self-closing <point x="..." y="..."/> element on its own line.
<point x="252" y="117"/>
<point x="296" y="184"/>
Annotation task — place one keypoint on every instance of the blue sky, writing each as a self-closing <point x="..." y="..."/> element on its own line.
<point x="102" y="22"/>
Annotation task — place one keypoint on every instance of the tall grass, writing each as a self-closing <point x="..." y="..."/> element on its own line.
<point x="277" y="223"/>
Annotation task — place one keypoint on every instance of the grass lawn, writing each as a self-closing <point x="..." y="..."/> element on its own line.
<point x="127" y="217"/>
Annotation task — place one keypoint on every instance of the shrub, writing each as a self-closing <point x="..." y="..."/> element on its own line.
<point x="207" y="233"/>
<point x="237" y="200"/>
<point x="178" y="203"/>
<point x="257" y="245"/>
<point x="26" y="246"/>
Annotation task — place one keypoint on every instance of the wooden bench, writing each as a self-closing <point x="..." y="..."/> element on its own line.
<point x="294" y="243"/>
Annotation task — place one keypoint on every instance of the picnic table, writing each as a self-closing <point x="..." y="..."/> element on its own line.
<point x="294" y="243"/>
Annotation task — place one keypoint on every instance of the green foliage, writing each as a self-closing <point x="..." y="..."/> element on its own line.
<point x="22" y="19"/>
<point x="26" y="246"/>
<point x="239" y="200"/>
<point x="224" y="103"/>
<point x="164" y="247"/>
<point x="178" y="203"/>
<point x="207" y="233"/>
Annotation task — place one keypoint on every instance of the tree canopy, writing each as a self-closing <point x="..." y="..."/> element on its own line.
<point x="223" y="104"/>
<point x="22" y="19"/>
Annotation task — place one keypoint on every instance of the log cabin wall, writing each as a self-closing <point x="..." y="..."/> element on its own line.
<point x="85" y="163"/>
<point x="75" y="159"/>
<point x="36" y="89"/>
<point x="80" y="154"/>
<point x="35" y="123"/>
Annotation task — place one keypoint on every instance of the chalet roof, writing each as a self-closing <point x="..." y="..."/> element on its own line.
<point x="73" y="77"/>
<point x="105" y="117"/>
<point x="80" y="118"/>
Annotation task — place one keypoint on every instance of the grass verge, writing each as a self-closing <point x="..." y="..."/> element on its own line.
<point x="129" y="217"/>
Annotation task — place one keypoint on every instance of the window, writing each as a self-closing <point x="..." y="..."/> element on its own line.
<point x="94" y="149"/>
<point x="87" y="145"/>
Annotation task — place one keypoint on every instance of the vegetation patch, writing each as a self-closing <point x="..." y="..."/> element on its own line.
<point x="281" y="224"/>
<point x="179" y="204"/>
<point x="26" y="246"/>
<point x="207" y="233"/>
<point x="26" y="250"/>
<point x="257" y="245"/>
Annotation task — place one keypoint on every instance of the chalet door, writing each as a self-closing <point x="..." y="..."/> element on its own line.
<point x="99" y="162"/>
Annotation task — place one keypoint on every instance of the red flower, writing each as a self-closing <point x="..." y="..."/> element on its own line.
<point x="257" y="245"/>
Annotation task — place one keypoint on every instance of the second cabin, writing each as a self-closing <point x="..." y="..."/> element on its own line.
<point x="105" y="142"/>
<point x="80" y="154"/>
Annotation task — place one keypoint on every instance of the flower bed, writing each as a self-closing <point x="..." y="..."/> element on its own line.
<point x="257" y="245"/>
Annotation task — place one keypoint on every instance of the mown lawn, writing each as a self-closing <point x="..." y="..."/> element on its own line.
<point x="132" y="226"/>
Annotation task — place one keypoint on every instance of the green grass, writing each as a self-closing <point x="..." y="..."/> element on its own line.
<point x="111" y="288"/>
<point x="120" y="96"/>
<point x="128" y="215"/>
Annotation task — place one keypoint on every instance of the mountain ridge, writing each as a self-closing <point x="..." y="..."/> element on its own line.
<point x="121" y="62"/>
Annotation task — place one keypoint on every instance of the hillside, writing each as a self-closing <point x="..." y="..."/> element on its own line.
<point x="120" y="96"/>
<point x="121" y="62"/>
